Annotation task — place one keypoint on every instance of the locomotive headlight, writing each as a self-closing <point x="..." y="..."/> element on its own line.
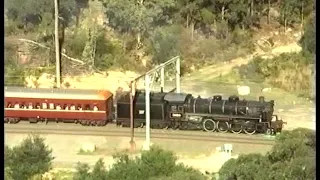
<point x="177" y="115"/>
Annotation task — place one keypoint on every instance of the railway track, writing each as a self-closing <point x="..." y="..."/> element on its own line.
<point x="125" y="132"/>
<point x="113" y="127"/>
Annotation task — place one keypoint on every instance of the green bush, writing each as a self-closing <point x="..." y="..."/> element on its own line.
<point x="289" y="71"/>
<point x="292" y="157"/>
<point x="155" y="164"/>
<point x="308" y="40"/>
<point x="30" y="158"/>
<point x="163" y="43"/>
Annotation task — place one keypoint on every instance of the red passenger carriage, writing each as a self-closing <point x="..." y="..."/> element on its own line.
<point x="88" y="107"/>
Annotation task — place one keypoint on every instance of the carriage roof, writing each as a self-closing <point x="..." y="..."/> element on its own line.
<point x="50" y="93"/>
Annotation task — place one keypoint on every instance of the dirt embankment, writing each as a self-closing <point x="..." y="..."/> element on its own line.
<point x="108" y="81"/>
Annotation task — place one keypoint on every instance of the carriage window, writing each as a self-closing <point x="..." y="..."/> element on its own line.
<point x="63" y="106"/>
<point x="9" y="105"/>
<point x="87" y="107"/>
<point x="79" y="107"/>
<point x="58" y="107"/>
<point x="173" y="108"/>
<point x="30" y="106"/>
<point x="180" y="108"/>
<point x="95" y="108"/>
<point x="23" y="105"/>
<point x="16" y="105"/>
<point x="51" y="106"/>
<point x="72" y="107"/>
<point x="44" y="106"/>
<point x="38" y="106"/>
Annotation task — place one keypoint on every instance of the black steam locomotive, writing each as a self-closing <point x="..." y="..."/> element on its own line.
<point x="185" y="112"/>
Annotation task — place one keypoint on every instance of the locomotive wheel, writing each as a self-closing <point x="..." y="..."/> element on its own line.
<point x="223" y="126"/>
<point x="249" y="131"/>
<point x="250" y="128"/>
<point x="209" y="125"/>
<point x="269" y="132"/>
<point x="236" y="128"/>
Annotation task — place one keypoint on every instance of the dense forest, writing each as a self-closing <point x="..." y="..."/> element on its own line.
<point x="106" y="34"/>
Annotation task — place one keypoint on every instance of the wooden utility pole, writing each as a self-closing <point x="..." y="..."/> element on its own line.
<point x="56" y="31"/>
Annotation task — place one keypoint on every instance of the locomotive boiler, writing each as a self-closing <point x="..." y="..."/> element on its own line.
<point x="231" y="114"/>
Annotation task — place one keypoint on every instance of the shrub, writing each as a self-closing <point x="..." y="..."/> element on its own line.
<point x="292" y="157"/>
<point x="30" y="158"/>
<point x="155" y="164"/>
<point x="163" y="43"/>
<point x="289" y="71"/>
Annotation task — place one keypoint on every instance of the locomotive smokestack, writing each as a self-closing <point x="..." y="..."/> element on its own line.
<point x="261" y="99"/>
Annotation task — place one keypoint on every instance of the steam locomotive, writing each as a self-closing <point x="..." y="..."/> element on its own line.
<point x="167" y="110"/>
<point x="183" y="111"/>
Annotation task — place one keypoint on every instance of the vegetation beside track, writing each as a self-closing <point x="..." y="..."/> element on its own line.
<point x="292" y="157"/>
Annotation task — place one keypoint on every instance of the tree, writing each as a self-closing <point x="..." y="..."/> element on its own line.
<point x="99" y="171"/>
<point x="294" y="11"/>
<point x="29" y="158"/>
<point x="246" y="167"/>
<point x="293" y="144"/>
<point x="155" y="164"/>
<point x="135" y="17"/>
<point x="32" y="12"/>
<point x="82" y="172"/>
<point x="164" y="42"/>
<point x="292" y="157"/>
<point x="308" y="40"/>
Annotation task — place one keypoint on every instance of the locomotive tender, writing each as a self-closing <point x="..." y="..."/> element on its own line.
<point x="167" y="110"/>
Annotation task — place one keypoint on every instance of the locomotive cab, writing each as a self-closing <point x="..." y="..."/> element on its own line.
<point x="176" y="105"/>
